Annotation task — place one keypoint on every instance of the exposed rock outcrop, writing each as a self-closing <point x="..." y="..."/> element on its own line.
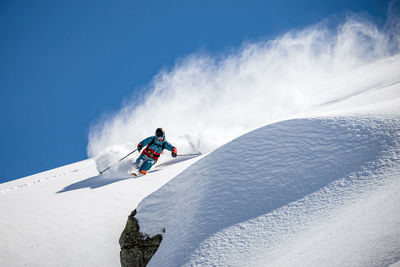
<point x="136" y="248"/>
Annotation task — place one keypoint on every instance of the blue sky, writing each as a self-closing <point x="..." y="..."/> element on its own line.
<point x="63" y="64"/>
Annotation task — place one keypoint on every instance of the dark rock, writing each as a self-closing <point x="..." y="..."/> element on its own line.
<point x="136" y="248"/>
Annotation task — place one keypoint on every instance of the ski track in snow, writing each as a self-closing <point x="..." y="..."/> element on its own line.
<point x="47" y="175"/>
<point x="65" y="171"/>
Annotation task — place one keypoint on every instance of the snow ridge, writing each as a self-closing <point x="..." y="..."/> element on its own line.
<point x="281" y="178"/>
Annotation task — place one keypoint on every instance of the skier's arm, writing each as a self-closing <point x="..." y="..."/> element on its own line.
<point x="144" y="142"/>
<point x="171" y="148"/>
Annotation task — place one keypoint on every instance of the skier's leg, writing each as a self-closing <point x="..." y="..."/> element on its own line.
<point x="147" y="165"/>
<point x="140" y="160"/>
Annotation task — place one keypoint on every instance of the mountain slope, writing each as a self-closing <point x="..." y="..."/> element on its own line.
<point x="70" y="216"/>
<point x="306" y="191"/>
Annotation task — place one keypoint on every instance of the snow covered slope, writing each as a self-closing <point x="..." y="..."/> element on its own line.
<point x="320" y="191"/>
<point x="69" y="216"/>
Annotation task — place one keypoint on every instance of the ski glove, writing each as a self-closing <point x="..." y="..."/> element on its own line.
<point x="139" y="147"/>
<point x="174" y="152"/>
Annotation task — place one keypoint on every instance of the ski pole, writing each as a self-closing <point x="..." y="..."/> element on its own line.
<point x="188" y="155"/>
<point x="117" y="161"/>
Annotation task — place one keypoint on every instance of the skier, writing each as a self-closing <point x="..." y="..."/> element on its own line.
<point x="154" y="147"/>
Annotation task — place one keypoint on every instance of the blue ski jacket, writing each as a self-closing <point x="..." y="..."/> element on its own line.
<point x="154" y="147"/>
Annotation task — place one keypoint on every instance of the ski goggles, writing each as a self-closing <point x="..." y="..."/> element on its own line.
<point x="160" y="136"/>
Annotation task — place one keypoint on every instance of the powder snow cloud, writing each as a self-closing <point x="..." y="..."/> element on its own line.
<point x="205" y="101"/>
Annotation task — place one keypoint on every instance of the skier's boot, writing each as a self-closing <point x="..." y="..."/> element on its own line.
<point x="140" y="173"/>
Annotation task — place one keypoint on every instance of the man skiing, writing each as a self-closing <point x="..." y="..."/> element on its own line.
<point x="154" y="147"/>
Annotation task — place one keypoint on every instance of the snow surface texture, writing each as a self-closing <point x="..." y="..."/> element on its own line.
<point x="309" y="191"/>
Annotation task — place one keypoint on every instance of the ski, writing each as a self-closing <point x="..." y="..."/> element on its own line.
<point x="137" y="174"/>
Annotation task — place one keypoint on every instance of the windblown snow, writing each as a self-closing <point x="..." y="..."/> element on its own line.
<point x="302" y="168"/>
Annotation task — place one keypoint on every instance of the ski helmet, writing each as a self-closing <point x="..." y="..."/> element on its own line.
<point x="160" y="133"/>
